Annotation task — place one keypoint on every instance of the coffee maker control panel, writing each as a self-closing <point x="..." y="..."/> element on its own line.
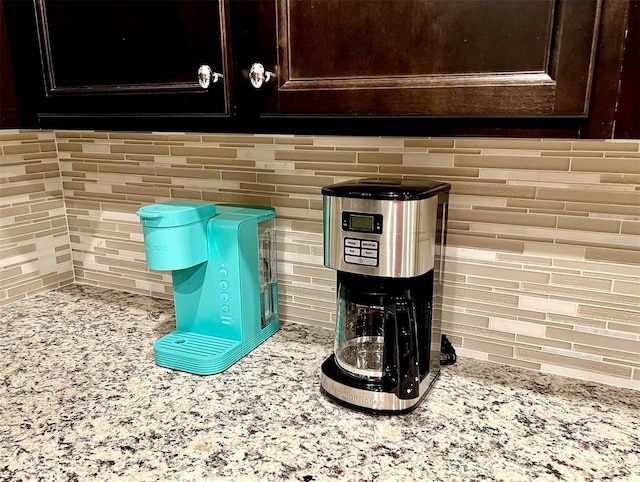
<point x="374" y="236"/>
<point x="361" y="251"/>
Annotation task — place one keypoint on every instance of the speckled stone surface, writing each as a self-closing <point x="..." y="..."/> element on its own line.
<point x="82" y="399"/>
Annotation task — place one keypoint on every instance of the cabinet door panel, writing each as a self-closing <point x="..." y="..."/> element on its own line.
<point x="134" y="56"/>
<point x="348" y="39"/>
<point x="436" y="57"/>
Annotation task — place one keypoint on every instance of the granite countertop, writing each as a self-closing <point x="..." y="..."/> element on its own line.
<point x="82" y="399"/>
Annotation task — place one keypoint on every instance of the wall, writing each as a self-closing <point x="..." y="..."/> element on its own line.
<point x="34" y="241"/>
<point x="544" y="250"/>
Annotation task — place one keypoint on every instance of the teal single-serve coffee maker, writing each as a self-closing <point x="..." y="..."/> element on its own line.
<point x="224" y="269"/>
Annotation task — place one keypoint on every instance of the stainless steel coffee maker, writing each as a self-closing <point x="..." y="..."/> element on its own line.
<point x="386" y="239"/>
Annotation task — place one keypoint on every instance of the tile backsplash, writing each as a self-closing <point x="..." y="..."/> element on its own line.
<point x="35" y="254"/>
<point x="544" y="234"/>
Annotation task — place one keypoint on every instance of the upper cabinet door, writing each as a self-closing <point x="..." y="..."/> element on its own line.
<point x="134" y="57"/>
<point x="436" y="57"/>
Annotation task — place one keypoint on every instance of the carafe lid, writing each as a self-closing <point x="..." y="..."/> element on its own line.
<point x="387" y="189"/>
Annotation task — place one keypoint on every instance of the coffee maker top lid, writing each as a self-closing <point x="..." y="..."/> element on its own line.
<point x="387" y="189"/>
<point x="175" y="213"/>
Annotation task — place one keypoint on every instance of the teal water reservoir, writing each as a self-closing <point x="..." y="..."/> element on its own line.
<point x="223" y="260"/>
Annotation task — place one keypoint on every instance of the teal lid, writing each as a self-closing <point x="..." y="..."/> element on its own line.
<point x="175" y="213"/>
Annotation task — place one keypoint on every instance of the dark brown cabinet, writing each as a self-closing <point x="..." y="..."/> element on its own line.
<point x="469" y="66"/>
<point x="106" y="58"/>
<point x="436" y="58"/>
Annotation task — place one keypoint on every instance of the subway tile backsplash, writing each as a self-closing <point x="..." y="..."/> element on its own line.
<point x="544" y="236"/>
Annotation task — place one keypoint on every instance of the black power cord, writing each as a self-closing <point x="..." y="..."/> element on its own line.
<point x="447" y="352"/>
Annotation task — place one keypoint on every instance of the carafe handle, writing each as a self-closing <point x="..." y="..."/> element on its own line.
<point x="401" y="346"/>
<point x="390" y="356"/>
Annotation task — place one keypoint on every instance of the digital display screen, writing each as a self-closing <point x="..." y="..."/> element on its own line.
<point x="361" y="223"/>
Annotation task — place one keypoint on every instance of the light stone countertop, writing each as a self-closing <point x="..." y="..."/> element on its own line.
<point x="82" y="399"/>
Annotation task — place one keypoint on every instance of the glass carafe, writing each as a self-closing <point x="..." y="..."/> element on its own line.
<point x="376" y="332"/>
<point x="359" y="344"/>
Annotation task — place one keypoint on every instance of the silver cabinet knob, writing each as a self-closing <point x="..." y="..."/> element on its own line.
<point x="206" y="76"/>
<point x="259" y="76"/>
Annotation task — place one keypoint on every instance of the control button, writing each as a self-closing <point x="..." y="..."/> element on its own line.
<point x="370" y="244"/>
<point x="370" y="253"/>
<point x="223" y="273"/>
<point x="353" y="251"/>
<point x="353" y="259"/>
<point x="354" y="243"/>
<point x="224" y="297"/>
<point x="369" y="261"/>
<point x="224" y="285"/>
<point x="360" y="260"/>
<point x="225" y="309"/>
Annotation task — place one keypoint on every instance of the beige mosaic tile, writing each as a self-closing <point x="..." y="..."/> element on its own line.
<point x="484" y="242"/>
<point x="502" y="360"/>
<point x="592" y="339"/>
<point x="595" y="145"/>
<point x="520" y="144"/>
<point x="584" y="223"/>
<point x="321" y="169"/>
<point x="624" y="155"/>
<point x="231" y="139"/>
<point x="611" y="165"/>
<point x="436" y="173"/>
<point x="624" y="327"/>
<point x="488" y="347"/>
<point x="630" y="227"/>
<point x="510" y="161"/>
<point x="543" y="341"/>
<point x="630" y="316"/>
<point x="294" y="140"/>
<point x="590" y="196"/>
<point x="603" y="211"/>
<point x="444" y="143"/>
<point x="206" y="152"/>
<point x="380" y="158"/>
<point x="496" y="189"/>
<point x="360" y="143"/>
<point x="613" y="255"/>
<point x="504" y="216"/>
<point x="316" y="156"/>
<point x="628" y="179"/>
<point x="624" y="287"/>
